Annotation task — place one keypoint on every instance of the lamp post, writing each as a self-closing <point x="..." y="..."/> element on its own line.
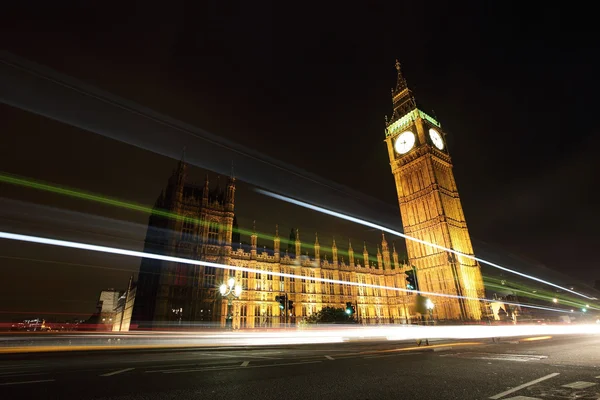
<point x="230" y="291"/>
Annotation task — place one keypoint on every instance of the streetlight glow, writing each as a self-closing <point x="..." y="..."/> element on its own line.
<point x="231" y="282"/>
<point x="223" y="289"/>
<point x="429" y="304"/>
<point x="238" y="290"/>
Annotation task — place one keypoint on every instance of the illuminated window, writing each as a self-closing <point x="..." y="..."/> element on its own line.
<point x="213" y="233"/>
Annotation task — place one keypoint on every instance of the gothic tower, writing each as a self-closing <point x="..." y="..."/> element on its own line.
<point x="430" y="208"/>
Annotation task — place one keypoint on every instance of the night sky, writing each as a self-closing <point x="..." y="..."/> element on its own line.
<point x="308" y="84"/>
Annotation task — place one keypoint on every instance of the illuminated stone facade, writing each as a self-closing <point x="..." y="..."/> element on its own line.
<point x="430" y="207"/>
<point x="257" y="306"/>
<point x="170" y="294"/>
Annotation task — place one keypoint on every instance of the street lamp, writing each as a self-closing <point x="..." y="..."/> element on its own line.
<point x="230" y="291"/>
<point x="555" y="300"/>
<point x="429" y="306"/>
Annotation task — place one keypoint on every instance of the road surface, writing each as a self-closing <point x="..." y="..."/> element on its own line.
<point x="566" y="367"/>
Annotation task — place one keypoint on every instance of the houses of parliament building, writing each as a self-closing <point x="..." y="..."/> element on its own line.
<point x="205" y="229"/>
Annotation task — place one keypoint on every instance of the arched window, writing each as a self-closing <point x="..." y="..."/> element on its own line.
<point x="213" y="233"/>
<point x="187" y="232"/>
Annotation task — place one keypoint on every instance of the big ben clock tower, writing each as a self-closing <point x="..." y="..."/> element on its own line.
<point x="431" y="209"/>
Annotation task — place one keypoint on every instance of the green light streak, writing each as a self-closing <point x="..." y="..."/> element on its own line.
<point x="28" y="183"/>
<point x="527" y="291"/>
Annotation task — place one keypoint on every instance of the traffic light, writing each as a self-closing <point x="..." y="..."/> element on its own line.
<point x="411" y="280"/>
<point x="290" y="305"/>
<point x="350" y="308"/>
<point x="281" y="301"/>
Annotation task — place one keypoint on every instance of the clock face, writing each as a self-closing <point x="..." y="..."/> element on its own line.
<point x="404" y="142"/>
<point x="436" y="138"/>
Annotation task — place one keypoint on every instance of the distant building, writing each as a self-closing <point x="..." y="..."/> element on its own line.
<point x="124" y="309"/>
<point x="107" y="303"/>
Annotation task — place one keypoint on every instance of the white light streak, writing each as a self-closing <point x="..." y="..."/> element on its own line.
<point x="393" y="232"/>
<point x="141" y="254"/>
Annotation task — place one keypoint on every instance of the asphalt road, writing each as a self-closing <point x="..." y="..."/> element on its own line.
<point x="550" y="368"/>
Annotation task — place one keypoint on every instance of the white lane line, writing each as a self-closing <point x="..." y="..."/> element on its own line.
<point x="579" y="385"/>
<point x="516" y="389"/>
<point x="120" y="371"/>
<point x="231" y="368"/>
<point x="523" y="398"/>
<point x="329" y="358"/>
<point x="26" y="382"/>
<point x="598" y="377"/>
<point x="245" y="364"/>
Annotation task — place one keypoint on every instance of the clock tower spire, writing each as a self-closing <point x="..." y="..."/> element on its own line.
<point x="402" y="96"/>
<point x="430" y="208"/>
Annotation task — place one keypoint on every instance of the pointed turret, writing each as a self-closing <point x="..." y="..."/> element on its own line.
<point x="253" y="240"/>
<point x="298" y="245"/>
<point x="276" y="244"/>
<point x="350" y="253"/>
<point x="334" y="253"/>
<point x="386" y="252"/>
<point x="395" y="257"/>
<point x="230" y="194"/>
<point x="205" y="192"/>
<point x="366" y="256"/>
<point x="176" y="184"/>
<point x="379" y="258"/>
<point x="402" y="97"/>
<point x="317" y="250"/>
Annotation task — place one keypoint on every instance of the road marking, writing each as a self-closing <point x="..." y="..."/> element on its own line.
<point x="442" y="349"/>
<point x="19" y="366"/>
<point x="579" y="385"/>
<point x="329" y="358"/>
<point x="420" y="348"/>
<point x="10" y="375"/>
<point x="390" y="355"/>
<point x="497" y="356"/>
<point x="117" y="372"/>
<point x="243" y="356"/>
<point x="187" y="365"/>
<point x="598" y="377"/>
<point x="25" y="382"/>
<point x="245" y="363"/>
<point x="231" y="368"/>
<point x="523" y="398"/>
<point x="516" y="389"/>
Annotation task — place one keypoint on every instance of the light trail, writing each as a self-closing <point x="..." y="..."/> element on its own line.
<point x="393" y="232"/>
<point x="141" y="254"/>
<point x="320" y="334"/>
<point x="128" y="205"/>
<point x="15" y="180"/>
